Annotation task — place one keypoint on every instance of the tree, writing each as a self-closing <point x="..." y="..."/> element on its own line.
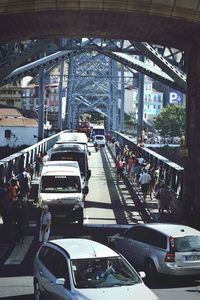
<point x="171" y="121"/>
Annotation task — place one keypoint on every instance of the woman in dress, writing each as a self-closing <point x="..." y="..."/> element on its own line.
<point x="45" y="223"/>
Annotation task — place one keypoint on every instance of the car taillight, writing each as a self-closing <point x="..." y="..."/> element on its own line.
<point x="170" y="257"/>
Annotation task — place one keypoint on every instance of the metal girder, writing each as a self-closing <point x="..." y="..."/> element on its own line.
<point x="92" y="107"/>
<point x="103" y="46"/>
<point x="150" y="71"/>
<point x="163" y="64"/>
<point x="15" y="60"/>
<point x="44" y="62"/>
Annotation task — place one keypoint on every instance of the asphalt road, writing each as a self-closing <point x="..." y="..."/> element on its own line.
<point x="109" y="209"/>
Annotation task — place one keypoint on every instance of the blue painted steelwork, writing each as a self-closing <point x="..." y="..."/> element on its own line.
<point x="14" y="163"/>
<point x="170" y="173"/>
<point x="140" y="102"/>
<point x="89" y="87"/>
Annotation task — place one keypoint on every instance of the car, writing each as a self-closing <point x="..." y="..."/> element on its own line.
<point x="99" y="140"/>
<point x="171" y="249"/>
<point x="83" y="269"/>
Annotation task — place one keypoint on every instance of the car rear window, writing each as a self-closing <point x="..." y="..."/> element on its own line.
<point x="187" y="243"/>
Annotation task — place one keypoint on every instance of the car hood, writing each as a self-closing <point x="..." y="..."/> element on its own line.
<point x="69" y="197"/>
<point x="137" y="291"/>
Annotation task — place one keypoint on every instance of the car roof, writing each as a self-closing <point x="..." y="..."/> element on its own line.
<point x="79" y="137"/>
<point x="79" y="248"/>
<point x="53" y="169"/>
<point x="68" y="163"/>
<point x="175" y="230"/>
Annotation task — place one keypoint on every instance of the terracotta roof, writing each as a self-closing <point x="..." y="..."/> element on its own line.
<point x="18" y="122"/>
<point x="9" y="112"/>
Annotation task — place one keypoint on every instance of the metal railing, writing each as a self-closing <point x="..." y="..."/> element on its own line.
<point x="13" y="164"/>
<point x="169" y="173"/>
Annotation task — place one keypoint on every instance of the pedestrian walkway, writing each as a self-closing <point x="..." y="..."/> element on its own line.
<point x="148" y="208"/>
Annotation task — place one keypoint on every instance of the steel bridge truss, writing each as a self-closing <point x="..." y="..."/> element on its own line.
<point x="93" y="85"/>
<point x="96" y="76"/>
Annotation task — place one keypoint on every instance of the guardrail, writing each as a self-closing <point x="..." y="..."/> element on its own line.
<point x="169" y="173"/>
<point x="13" y="164"/>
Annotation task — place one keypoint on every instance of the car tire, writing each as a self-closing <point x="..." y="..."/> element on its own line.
<point x="37" y="291"/>
<point x="150" y="269"/>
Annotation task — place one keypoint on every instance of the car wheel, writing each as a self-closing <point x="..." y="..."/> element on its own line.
<point x="150" y="269"/>
<point x="37" y="292"/>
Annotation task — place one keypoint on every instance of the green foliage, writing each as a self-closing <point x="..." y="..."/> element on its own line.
<point x="171" y="121"/>
<point x="129" y="119"/>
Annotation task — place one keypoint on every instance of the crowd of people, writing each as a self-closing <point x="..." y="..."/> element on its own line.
<point x="14" y="196"/>
<point x="130" y="162"/>
<point x="14" y="204"/>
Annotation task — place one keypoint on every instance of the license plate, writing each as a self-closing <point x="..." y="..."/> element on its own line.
<point x="193" y="257"/>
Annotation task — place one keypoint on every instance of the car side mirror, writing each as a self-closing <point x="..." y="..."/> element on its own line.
<point x="142" y="274"/>
<point x="64" y="282"/>
<point x="60" y="281"/>
<point x="89" y="153"/>
<point x="88" y="174"/>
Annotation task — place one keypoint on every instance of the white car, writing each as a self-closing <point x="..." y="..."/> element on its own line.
<point x="170" y="249"/>
<point x="99" y="140"/>
<point x="82" y="269"/>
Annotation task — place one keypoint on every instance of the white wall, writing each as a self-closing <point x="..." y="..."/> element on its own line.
<point x="19" y="136"/>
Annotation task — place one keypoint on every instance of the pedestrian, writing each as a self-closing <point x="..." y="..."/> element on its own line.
<point x="38" y="165"/>
<point x="19" y="221"/>
<point x="45" y="223"/>
<point x="145" y="182"/>
<point x="164" y="199"/>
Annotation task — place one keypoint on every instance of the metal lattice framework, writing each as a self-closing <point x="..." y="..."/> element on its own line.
<point x="93" y="86"/>
<point x="94" y="80"/>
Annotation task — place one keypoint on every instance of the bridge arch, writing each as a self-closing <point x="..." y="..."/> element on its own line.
<point x="173" y="23"/>
<point x="164" y="22"/>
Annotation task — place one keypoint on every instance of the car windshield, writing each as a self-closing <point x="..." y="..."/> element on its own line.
<point x="60" y="184"/>
<point x="103" y="272"/>
<point x="187" y="243"/>
<point x="80" y="157"/>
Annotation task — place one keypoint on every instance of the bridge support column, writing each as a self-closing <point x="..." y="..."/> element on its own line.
<point x="191" y="190"/>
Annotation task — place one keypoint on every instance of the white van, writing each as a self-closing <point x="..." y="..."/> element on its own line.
<point x="60" y="187"/>
<point x="75" y="137"/>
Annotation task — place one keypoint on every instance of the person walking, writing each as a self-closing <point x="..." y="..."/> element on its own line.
<point x="164" y="199"/>
<point x="45" y="223"/>
<point x="145" y="182"/>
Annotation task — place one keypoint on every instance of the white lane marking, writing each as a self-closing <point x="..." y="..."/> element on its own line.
<point x="19" y="252"/>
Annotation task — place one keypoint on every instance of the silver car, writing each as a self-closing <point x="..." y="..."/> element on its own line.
<point x="80" y="269"/>
<point x="160" y="248"/>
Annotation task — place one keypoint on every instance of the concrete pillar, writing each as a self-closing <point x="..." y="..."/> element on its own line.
<point x="191" y="187"/>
